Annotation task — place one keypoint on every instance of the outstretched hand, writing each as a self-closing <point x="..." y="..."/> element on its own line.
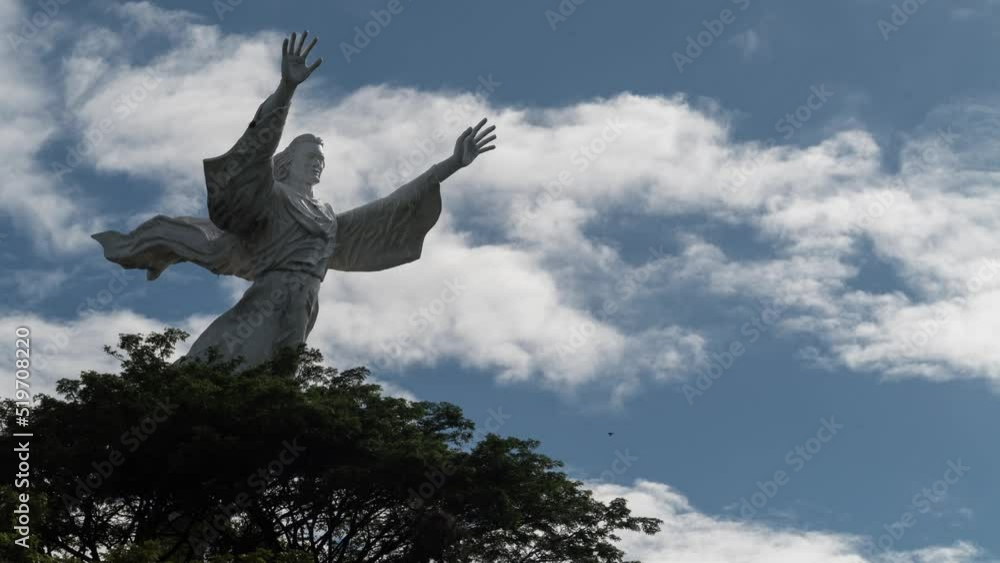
<point x="473" y="142"/>
<point x="293" y="60"/>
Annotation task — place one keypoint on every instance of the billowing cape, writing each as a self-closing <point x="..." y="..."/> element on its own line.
<point x="163" y="241"/>
<point x="381" y="234"/>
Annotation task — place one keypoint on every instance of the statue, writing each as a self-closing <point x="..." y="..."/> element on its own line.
<point x="265" y="226"/>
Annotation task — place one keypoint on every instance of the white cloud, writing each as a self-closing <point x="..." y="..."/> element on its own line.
<point x="532" y="285"/>
<point x="64" y="349"/>
<point x="61" y="350"/>
<point x="32" y="286"/>
<point x="689" y="536"/>
<point x="517" y="313"/>
<point x="35" y="201"/>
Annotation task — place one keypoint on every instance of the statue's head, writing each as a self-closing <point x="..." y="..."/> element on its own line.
<point x="301" y="163"/>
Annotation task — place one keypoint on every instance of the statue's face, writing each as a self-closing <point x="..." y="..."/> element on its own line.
<point x="307" y="164"/>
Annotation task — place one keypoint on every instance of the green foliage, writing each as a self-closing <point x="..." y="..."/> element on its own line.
<point x="289" y="462"/>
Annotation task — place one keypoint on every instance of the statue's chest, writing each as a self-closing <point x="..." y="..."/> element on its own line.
<point x="318" y="218"/>
<point x="294" y="220"/>
<point x="313" y="219"/>
<point x="325" y="225"/>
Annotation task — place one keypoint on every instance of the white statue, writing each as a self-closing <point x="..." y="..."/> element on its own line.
<point x="265" y="226"/>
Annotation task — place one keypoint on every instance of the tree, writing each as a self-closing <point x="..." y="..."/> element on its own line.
<point x="289" y="462"/>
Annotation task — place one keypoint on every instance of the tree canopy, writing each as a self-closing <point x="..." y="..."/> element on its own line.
<point x="289" y="462"/>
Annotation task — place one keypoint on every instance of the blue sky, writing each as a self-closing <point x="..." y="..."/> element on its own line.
<point x="851" y="265"/>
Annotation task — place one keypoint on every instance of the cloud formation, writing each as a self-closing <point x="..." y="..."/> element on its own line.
<point x="535" y="294"/>
<point x="690" y="536"/>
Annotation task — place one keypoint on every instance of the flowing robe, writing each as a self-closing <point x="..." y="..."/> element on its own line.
<point x="283" y="241"/>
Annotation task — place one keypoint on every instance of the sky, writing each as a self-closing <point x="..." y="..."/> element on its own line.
<point x="754" y="239"/>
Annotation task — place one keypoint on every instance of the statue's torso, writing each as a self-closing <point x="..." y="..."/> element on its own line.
<point x="297" y="234"/>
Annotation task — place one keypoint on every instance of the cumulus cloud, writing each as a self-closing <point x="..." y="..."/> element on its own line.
<point x="690" y="536"/>
<point x="54" y="213"/>
<point x="63" y="349"/>
<point x="513" y="281"/>
<point x="521" y="312"/>
<point x="541" y="298"/>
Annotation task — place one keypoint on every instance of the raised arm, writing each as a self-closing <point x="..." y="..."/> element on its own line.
<point x="390" y="231"/>
<point x="293" y="72"/>
<point x="470" y="144"/>
<point x="240" y="182"/>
